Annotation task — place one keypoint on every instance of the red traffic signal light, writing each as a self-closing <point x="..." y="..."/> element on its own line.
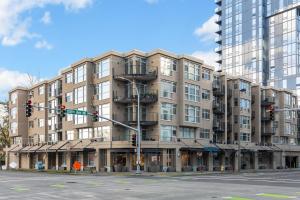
<point x="133" y="140"/>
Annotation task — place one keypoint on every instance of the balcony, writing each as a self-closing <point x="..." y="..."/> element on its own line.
<point x="218" y="126"/>
<point x="219" y="31"/>
<point x="147" y="97"/>
<point x="268" y="131"/>
<point x="266" y="117"/>
<point x="218" y="39"/>
<point x="218" y="2"/>
<point x="218" y="108"/>
<point x="218" y="89"/>
<point x="218" y="11"/>
<point x="219" y="60"/>
<point x="218" y="20"/>
<point x="218" y="50"/>
<point x="268" y="101"/>
<point x="136" y="74"/>
<point x="146" y="119"/>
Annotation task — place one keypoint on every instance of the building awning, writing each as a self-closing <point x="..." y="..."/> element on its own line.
<point x="12" y="147"/>
<point x="211" y="149"/>
<point x="191" y="149"/>
<point x="26" y="149"/>
<point x="227" y="146"/>
<point x="36" y="147"/>
<point x="17" y="149"/>
<point x="81" y="145"/>
<point x="57" y="146"/>
<point x="44" y="148"/>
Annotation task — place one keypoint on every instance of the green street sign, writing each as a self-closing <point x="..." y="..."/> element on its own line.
<point x="76" y="112"/>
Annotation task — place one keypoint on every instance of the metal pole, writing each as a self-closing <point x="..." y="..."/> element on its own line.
<point x="138" y="167"/>
<point x="239" y="153"/>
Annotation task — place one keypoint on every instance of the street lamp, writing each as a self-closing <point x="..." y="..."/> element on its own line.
<point x="138" y="160"/>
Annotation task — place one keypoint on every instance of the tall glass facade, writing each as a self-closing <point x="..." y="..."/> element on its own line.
<point x="260" y="39"/>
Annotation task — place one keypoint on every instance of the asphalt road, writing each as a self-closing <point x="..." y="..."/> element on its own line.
<point x="248" y="186"/>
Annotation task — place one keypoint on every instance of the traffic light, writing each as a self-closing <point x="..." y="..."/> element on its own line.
<point x="28" y="108"/>
<point x="95" y="116"/>
<point x="133" y="140"/>
<point x="62" y="112"/>
<point x="271" y="110"/>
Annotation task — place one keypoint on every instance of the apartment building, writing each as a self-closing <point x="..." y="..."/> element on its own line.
<point x="192" y="118"/>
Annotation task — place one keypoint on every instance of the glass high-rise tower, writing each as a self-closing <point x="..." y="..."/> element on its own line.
<point x="260" y="39"/>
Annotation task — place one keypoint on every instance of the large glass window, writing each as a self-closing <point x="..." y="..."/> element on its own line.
<point x="69" y="97"/>
<point x="52" y="137"/>
<point x="168" y="89"/>
<point x="204" y="133"/>
<point x="70" y="135"/>
<point x="245" y="87"/>
<point x="13" y="113"/>
<point x="52" y="123"/>
<point x="192" y="114"/>
<point x="192" y="92"/>
<point x="191" y="71"/>
<point x="168" y="111"/>
<point x="69" y="77"/>
<point x="41" y="90"/>
<point x="206" y="114"/>
<point x="102" y="132"/>
<point x="80" y="95"/>
<point x="103" y="90"/>
<point x="104" y="110"/>
<point x="80" y="119"/>
<point x="187" y="133"/>
<point x="167" y="132"/>
<point x="245" y="104"/>
<point x="245" y="137"/>
<point x="13" y="97"/>
<point x="167" y="66"/>
<point x="85" y="133"/>
<point x="80" y="74"/>
<point x="41" y="123"/>
<point x="244" y="122"/>
<point x="205" y="74"/>
<point x="103" y="68"/>
<point x="205" y="94"/>
<point x="13" y="127"/>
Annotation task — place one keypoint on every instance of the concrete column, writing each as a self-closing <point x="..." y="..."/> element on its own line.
<point x="255" y="154"/>
<point x="46" y="161"/>
<point x="178" y="160"/>
<point x="236" y="161"/>
<point x="223" y="156"/>
<point x="164" y="158"/>
<point x="283" y="160"/>
<point x="146" y="157"/>
<point x="81" y="160"/>
<point x="275" y="158"/>
<point x="128" y="163"/>
<point x="97" y="160"/>
<point x="56" y="160"/>
<point x="210" y="162"/>
<point x="108" y="160"/>
<point x="68" y="161"/>
<point x="194" y="161"/>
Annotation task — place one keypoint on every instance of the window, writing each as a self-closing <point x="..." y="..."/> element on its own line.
<point x="13" y="98"/>
<point x="70" y="135"/>
<point x="245" y="104"/>
<point x="52" y="121"/>
<point x="206" y="114"/>
<point x="13" y="127"/>
<point x="245" y="137"/>
<point x="168" y="89"/>
<point x="85" y="133"/>
<point x="80" y="95"/>
<point x="192" y="114"/>
<point x="245" y="87"/>
<point x="205" y="94"/>
<point x="167" y="132"/>
<point x="69" y="77"/>
<point x="206" y="74"/>
<point x="41" y="90"/>
<point x="30" y="124"/>
<point x="187" y="133"/>
<point x="244" y="122"/>
<point x="41" y="123"/>
<point x="13" y="113"/>
<point x="168" y="111"/>
<point x="204" y="133"/>
<point x="41" y="138"/>
<point x="104" y="110"/>
<point x="192" y="92"/>
<point x="103" y="90"/>
<point x="192" y="71"/>
<point x="52" y="137"/>
<point x="41" y="106"/>
<point x="80" y="74"/>
<point x="102" y="132"/>
<point x="80" y="119"/>
<point x="52" y="89"/>
<point x="69" y="97"/>
<point x="167" y="66"/>
<point x="69" y="117"/>
<point x="103" y="68"/>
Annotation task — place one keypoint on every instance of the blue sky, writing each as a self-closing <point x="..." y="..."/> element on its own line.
<point x="41" y="38"/>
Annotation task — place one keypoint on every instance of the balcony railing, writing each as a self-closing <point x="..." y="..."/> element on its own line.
<point x="268" y="101"/>
<point x="268" y="131"/>
<point x="218" y="89"/>
<point x="229" y="127"/>
<point x="218" y="10"/>
<point x="218" y="126"/>
<point x="143" y="74"/>
<point x="218" y="108"/>
<point x="150" y="96"/>
<point x="146" y="118"/>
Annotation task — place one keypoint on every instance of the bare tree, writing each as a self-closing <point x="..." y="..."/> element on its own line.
<point x="4" y="133"/>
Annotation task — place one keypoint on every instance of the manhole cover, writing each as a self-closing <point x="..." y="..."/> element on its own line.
<point x="127" y="189"/>
<point x="71" y="182"/>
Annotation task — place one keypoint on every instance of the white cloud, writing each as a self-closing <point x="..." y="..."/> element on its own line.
<point x="15" y="20"/>
<point x="207" y="30"/>
<point x="152" y="1"/>
<point x="46" y="19"/>
<point x="43" y="45"/>
<point x="10" y="79"/>
<point x="209" y="57"/>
